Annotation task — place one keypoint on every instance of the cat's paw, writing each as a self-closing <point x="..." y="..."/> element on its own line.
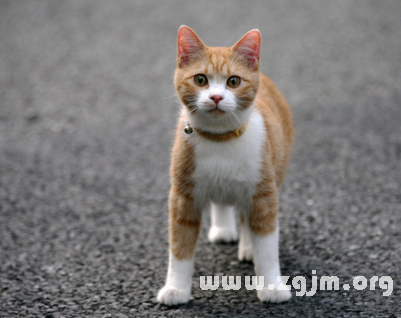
<point x="274" y="296"/>
<point x="222" y="234"/>
<point x="170" y="295"/>
<point x="245" y="253"/>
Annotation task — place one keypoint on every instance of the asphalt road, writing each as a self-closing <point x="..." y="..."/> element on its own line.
<point x="87" y="118"/>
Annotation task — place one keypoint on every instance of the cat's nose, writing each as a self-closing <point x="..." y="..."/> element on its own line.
<point x="216" y="98"/>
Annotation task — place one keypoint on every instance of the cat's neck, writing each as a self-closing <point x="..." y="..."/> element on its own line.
<point x="234" y="134"/>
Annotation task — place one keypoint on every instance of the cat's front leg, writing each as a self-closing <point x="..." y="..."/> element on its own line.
<point x="223" y="227"/>
<point x="267" y="264"/>
<point x="264" y="228"/>
<point x="184" y="226"/>
<point x="179" y="281"/>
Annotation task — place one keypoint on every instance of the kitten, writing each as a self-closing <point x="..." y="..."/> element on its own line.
<point x="231" y="150"/>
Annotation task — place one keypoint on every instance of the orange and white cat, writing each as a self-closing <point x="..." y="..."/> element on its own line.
<point x="231" y="150"/>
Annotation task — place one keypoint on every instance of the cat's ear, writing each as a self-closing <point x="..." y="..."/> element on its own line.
<point x="189" y="46"/>
<point x="248" y="48"/>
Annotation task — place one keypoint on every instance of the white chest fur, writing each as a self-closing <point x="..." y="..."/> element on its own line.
<point x="228" y="172"/>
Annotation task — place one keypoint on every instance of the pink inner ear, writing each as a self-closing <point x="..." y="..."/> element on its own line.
<point x="189" y="45"/>
<point x="249" y="48"/>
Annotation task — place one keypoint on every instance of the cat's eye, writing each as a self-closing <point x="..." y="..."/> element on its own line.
<point x="233" y="81"/>
<point x="200" y="80"/>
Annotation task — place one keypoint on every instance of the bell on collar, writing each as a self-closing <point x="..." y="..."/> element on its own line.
<point x="188" y="129"/>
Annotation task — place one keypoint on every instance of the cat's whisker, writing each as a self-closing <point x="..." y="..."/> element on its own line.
<point x="163" y="98"/>
<point x="199" y="111"/>
<point x="178" y="104"/>
<point x="233" y="113"/>
<point x="193" y="113"/>
<point x="191" y="106"/>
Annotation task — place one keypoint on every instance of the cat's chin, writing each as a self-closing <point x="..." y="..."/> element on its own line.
<point x="216" y="113"/>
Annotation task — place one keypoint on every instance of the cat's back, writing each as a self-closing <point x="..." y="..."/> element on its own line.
<point x="273" y="107"/>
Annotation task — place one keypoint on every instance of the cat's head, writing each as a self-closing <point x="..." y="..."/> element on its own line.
<point x="217" y="85"/>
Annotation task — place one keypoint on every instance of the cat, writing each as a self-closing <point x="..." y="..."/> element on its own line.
<point x="232" y="146"/>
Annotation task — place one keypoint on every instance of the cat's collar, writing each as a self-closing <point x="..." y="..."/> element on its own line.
<point x="236" y="133"/>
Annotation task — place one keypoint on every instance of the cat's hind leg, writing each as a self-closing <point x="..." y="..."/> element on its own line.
<point x="223" y="227"/>
<point x="245" y="250"/>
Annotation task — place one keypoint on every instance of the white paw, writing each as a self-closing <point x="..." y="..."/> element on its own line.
<point x="169" y="295"/>
<point x="274" y="296"/>
<point x="222" y="234"/>
<point x="245" y="253"/>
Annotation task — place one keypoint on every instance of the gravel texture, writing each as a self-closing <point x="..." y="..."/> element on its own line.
<point x="87" y="118"/>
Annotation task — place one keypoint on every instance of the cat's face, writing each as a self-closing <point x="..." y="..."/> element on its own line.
<point x="217" y="84"/>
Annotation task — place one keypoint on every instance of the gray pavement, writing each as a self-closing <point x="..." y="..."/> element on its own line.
<point x="87" y="118"/>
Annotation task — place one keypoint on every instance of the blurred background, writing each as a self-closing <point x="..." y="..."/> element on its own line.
<point x="87" y="117"/>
